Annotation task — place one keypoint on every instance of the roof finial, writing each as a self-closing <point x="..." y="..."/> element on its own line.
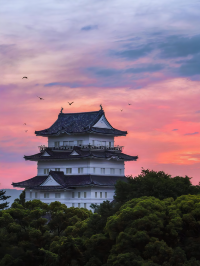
<point x="61" y="110"/>
<point x="101" y="107"/>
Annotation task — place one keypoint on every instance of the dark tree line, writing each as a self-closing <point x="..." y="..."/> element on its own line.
<point x="154" y="220"/>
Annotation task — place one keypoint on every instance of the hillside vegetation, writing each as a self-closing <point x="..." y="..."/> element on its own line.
<point x="154" y="220"/>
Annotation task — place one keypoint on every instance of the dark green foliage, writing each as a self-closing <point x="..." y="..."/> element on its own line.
<point x="21" y="199"/>
<point x="3" y="197"/>
<point x="156" y="184"/>
<point x="148" y="230"/>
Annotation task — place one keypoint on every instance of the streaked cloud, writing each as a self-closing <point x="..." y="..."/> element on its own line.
<point x="175" y="129"/>
<point x="189" y="134"/>
<point x="89" y="27"/>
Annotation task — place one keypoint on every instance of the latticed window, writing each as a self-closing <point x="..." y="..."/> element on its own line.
<point x="112" y="171"/>
<point x="46" y="195"/>
<point x="68" y="170"/>
<point x="95" y="194"/>
<point x="85" y="194"/>
<point x="57" y="144"/>
<point x="73" y="205"/>
<point x="80" y="170"/>
<point x="102" y="170"/>
<point x="84" y="205"/>
<point x="105" y="194"/>
<point x="57" y="169"/>
<point x="79" y="205"/>
<point x="57" y="195"/>
<point x="71" y="143"/>
<point x="46" y="171"/>
<point x="100" y="194"/>
<point x="79" y="142"/>
<point x="79" y="194"/>
<point x="72" y="194"/>
<point x="120" y="171"/>
<point x="30" y="194"/>
<point x="36" y="195"/>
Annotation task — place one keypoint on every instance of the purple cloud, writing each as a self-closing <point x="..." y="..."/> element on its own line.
<point x="189" y="134"/>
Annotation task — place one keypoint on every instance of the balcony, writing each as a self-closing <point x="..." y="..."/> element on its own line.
<point x="84" y="147"/>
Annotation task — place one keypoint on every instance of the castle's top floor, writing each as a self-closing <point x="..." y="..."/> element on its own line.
<point x="81" y="123"/>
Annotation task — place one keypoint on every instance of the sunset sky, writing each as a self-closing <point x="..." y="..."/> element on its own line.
<point x="109" y="52"/>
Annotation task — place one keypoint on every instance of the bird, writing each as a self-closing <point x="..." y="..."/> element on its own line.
<point x="70" y="103"/>
<point x="24" y="123"/>
<point x="26" y="130"/>
<point x="121" y="110"/>
<point x="24" y="78"/>
<point x="40" y="98"/>
<point x="129" y="103"/>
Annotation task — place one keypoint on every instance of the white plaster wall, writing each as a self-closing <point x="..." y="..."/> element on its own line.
<point x="86" y="138"/>
<point x="87" y="164"/>
<point x="66" y="196"/>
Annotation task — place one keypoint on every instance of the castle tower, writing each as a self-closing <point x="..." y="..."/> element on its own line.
<point x="81" y="164"/>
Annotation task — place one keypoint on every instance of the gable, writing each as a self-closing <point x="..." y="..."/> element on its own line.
<point x="50" y="181"/>
<point x="102" y="123"/>
<point x="45" y="154"/>
<point x="74" y="153"/>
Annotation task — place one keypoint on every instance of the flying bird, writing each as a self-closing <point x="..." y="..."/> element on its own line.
<point x="129" y="103"/>
<point x="70" y="103"/>
<point x="24" y="123"/>
<point x="121" y="110"/>
<point x="24" y="78"/>
<point x="26" y="130"/>
<point x="40" y="98"/>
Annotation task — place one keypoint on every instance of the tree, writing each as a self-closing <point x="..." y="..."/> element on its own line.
<point x="156" y="184"/>
<point x="21" y="199"/>
<point x="3" y="197"/>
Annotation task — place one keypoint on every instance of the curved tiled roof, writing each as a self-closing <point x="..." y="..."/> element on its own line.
<point x="79" y="123"/>
<point x="66" y="155"/>
<point x="69" y="182"/>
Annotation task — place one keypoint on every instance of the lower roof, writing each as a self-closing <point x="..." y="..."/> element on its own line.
<point x="69" y="181"/>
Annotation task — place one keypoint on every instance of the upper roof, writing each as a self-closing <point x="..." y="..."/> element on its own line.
<point x="69" y="182"/>
<point x="76" y="123"/>
<point x="77" y="153"/>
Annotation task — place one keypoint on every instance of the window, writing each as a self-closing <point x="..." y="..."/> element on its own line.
<point x="30" y="194"/>
<point x="112" y="171"/>
<point x="36" y="195"/>
<point x="79" y="194"/>
<point x="57" y="144"/>
<point x="85" y="194"/>
<point x="79" y="205"/>
<point x="109" y="143"/>
<point x="93" y="169"/>
<point x="71" y="143"/>
<point x="120" y="171"/>
<point x="57" y="195"/>
<point x="80" y="170"/>
<point x="46" y="195"/>
<point x="105" y="194"/>
<point x="102" y="170"/>
<point x="95" y="194"/>
<point x="46" y="171"/>
<point x="79" y="142"/>
<point x="72" y="194"/>
<point x="93" y="142"/>
<point x="57" y="169"/>
<point x="65" y="143"/>
<point x="100" y="194"/>
<point x="85" y="205"/>
<point x="103" y="143"/>
<point x="68" y="170"/>
<point x="72" y="204"/>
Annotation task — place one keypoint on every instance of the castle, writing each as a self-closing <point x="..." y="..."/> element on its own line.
<point x="81" y="164"/>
